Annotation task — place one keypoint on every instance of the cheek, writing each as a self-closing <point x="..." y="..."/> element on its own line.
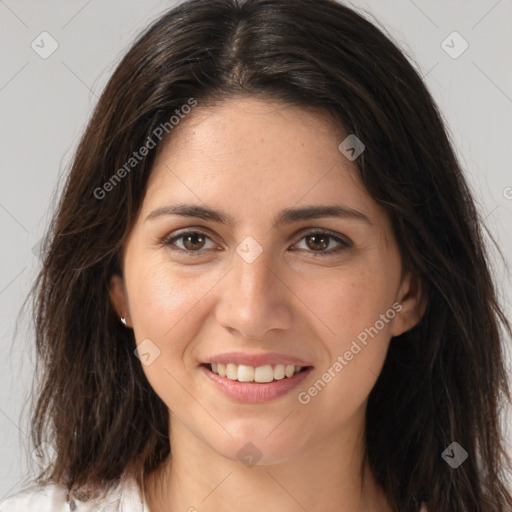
<point x="355" y="301"/>
<point x="164" y="308"/>
<point x="159" y="296"/>
<point x="358" y="307"/>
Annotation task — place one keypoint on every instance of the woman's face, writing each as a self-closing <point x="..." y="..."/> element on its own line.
<point x="264" y="290"/>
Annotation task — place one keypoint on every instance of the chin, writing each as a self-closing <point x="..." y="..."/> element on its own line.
<point x="258" y="446"/>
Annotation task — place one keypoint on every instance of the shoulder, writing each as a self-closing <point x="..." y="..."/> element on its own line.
<point x="38" y="498"/>
<point x="54" y="498"/>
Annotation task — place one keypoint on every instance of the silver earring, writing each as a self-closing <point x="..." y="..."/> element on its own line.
<point x="123" y="320"/>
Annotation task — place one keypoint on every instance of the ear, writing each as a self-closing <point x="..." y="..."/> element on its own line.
<point x="118" y="298"/>
<point x="413" y="301"/>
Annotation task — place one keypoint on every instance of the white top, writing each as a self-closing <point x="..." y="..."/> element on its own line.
<point x="53" y="498"/>
<point x="126" y="497"/>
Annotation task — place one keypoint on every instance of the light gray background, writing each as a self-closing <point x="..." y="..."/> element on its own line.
<point x="45" y="104"/>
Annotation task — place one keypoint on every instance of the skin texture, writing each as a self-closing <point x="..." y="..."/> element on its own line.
<point x="252" y="158"/>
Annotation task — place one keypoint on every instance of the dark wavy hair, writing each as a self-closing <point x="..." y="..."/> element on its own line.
<point x="442" y="381"/>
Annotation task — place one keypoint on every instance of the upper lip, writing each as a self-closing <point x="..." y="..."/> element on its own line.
<point x="255" y="360"/>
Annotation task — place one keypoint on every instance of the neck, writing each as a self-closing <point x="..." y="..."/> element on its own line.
<point x="331" y="476"/>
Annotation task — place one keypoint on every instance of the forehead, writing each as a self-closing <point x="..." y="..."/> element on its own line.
<point x="254" y="156"/>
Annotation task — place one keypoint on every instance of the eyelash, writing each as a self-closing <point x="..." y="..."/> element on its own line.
<point x="343" y="243"/>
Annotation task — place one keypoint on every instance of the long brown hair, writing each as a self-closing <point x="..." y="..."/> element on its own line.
<point x="442" y="381"/>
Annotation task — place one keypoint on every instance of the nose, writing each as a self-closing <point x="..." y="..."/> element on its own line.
<point x="254" y="298"/>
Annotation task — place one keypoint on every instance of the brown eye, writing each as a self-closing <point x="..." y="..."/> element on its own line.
<point x="317" y="243"/>
<point x="191" y="242"/>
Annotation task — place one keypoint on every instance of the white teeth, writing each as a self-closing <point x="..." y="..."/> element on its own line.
<point x="264" y="373"/>
<point x="245" y="373"/>
<point x="279" y="371"/>
<point x="261" y="374"/>
<point x="232" y="371"/>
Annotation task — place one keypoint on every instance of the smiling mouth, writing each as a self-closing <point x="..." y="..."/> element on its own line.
<point x="255" y="374"/>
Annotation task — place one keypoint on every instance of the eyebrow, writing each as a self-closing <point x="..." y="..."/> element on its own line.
<point x="287" y="216"/>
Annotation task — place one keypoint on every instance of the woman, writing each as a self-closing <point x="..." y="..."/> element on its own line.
<point x="264" y="290"/>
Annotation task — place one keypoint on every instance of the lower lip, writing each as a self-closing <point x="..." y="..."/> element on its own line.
<point x="255" y="392"/>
